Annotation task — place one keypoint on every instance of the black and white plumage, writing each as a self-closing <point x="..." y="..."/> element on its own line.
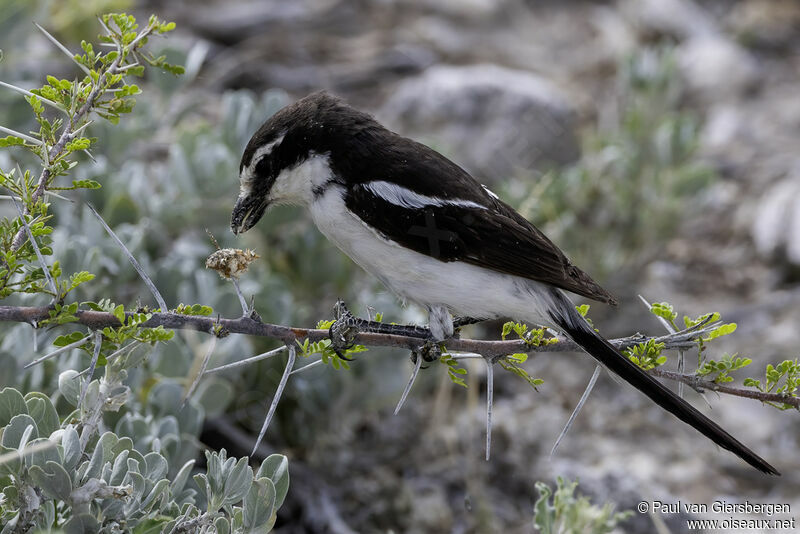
<point x="430" y="233"/>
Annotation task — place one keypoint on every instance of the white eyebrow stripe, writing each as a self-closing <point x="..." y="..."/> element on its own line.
<point x="249" y="172"/>
<point x="405" y="198"/>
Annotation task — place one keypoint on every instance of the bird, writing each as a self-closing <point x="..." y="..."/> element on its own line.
<point x="431" y="233"/>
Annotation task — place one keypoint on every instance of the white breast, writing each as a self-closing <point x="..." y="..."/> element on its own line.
<point x="463" y="288"/>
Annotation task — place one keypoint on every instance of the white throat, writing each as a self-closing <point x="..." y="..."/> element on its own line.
<point x="303" y="182"/>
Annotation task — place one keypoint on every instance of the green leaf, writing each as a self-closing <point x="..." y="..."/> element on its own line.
<point x="119" y="313"/>
<point x="81" y="143"/>
<point x="67" y="339"/>
<point x="664" y="310"/>
<point x="11" y="140"/>
<point x="506" y="329"/>
<point x="722" y="330"/>
<point x="194" y="309"/>
<point x="35" y="104"/>
<point x="77" y="279"/>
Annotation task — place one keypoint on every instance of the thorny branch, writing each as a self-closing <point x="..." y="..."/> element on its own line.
<point x="491" y="350"/>
<point x="699" y="384"/>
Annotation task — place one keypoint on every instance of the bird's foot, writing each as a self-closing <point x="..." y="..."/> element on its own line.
<point x="344" y="330"/>
<point x="430" y="351"/>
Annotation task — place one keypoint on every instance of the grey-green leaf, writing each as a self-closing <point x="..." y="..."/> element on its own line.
<point x="71" y="443"/>
<point x="180" y="479"/>
<point x="155" y="466"/>
<point x="11" y="403"/>
<point x="69" y="384"/>
<point x="40" y="451"/>
<point x="152" y="499"/>
<point x="16" y="432"/>
<point x="41" y="408"/>
<point x="11" y="463"/>
<point x="276" y="468"/>
<point x="259" y="504"/>
<point x="96" y="463"/>
<point x="238" y="482"/>
<point x="82" y="524"/>
<point x="53" y="479"/>
<point x="222" y="525"/>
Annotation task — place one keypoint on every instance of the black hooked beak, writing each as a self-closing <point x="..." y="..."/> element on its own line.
<point x="247" y="212"/>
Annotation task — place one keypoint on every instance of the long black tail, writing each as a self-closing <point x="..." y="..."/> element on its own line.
<point x="576" y="327"/>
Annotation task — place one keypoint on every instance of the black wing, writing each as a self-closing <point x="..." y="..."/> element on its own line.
<point x="468" y="225"/>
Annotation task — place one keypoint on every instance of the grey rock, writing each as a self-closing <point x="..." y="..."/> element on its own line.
<point x="776" y="225"/>
<point x="682" y="19"/>
<point x="490" y="119"/>
<point x="714" y="66"/>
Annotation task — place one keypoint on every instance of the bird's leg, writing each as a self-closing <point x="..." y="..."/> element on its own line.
<point x="440" y="326"/>
<point x="346" y="318"/>
<point x="461" y="321"/>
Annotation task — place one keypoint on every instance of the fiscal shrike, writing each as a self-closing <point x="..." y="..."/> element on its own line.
<point x="430" y="233"/>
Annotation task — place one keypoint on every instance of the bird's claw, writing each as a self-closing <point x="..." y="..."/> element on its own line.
<point x="430" y="351"/>
<point x="343" y="331"/>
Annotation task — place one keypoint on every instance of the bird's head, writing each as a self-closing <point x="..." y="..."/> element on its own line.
<point x="288" y="157"/>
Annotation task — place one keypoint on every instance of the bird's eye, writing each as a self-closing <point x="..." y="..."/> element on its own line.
<point x="263" y="167"/>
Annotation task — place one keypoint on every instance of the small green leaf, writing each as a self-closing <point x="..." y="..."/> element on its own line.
<point x="11" y="140"/>
<point x="67" y="339"/>
<point x="119" y="313"/>
<point x="722" y="330"/>
<point x="664" y="310"/>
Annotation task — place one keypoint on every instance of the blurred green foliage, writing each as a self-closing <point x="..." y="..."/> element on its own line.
<point x="561" y="511"/>
<point x="59" y="466"/>
<point x="638" y="175"/>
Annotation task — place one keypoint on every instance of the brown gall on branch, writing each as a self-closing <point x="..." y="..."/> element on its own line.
<point x="492" y="350"/>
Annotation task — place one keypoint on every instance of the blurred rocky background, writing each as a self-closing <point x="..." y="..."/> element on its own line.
<point x="656" y="141"/>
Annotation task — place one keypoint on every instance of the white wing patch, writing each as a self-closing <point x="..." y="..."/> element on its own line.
<point x="405" y="198"/>
<point x="491" y="193"/>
